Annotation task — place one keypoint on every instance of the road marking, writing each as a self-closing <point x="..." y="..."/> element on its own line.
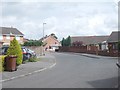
<point x="52" y="65"/>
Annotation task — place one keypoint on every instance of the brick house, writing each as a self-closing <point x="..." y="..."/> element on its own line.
<point x="8" y="33"/>
<point x="50" y="43"/>
<point x="113" y="41"/>
<point x="92" y="42"/>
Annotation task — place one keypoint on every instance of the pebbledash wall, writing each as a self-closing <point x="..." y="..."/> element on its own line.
<point x="84" y="49"/>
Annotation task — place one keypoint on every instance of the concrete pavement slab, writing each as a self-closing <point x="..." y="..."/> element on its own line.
<point x="45" y="62"/>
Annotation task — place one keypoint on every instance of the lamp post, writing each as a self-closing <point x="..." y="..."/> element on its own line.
<point x="43" y="37"/>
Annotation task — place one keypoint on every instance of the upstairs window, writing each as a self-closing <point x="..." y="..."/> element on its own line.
<point x="17" y="38"/>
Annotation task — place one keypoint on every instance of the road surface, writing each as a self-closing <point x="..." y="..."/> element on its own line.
<point x="72" y="71"/>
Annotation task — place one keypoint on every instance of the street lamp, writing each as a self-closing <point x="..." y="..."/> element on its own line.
<point x="43" y="37"/>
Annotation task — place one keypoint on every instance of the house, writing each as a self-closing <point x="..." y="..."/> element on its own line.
<point x="113" y="41"/>
<point x="91" y="41"/>
<point x="50" y="43"/>
<point x="25" y="40"/>
<point x="9" y="33"/>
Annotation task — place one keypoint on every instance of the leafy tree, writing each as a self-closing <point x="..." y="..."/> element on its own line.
<point x="33" y="43"/>
<point x="15" y="49"/>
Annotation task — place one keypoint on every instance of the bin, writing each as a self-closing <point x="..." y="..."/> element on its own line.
<point x="11" y="63"/>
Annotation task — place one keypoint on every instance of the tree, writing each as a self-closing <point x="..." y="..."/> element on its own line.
<point x="66" y="42"/>
<point x="63" y="42"/>
<point x="15" y="49"/>
<point x="33" y="43"/>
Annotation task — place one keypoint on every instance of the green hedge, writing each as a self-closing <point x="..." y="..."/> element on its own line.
<point x="15" y="49"/>
<point x="2" y="58"/>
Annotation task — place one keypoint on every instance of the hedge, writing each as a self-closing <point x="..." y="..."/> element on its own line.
<point x="2" y="58"/>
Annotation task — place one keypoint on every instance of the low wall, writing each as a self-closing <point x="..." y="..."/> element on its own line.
<point x="83" y="49"/>
<point x="36" y="49"/>
<point x="76" y="49"/>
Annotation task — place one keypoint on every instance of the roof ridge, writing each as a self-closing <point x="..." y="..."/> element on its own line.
<point x="91" y="36"/>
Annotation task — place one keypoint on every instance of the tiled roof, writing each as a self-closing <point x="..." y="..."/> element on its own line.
<point x="10" y="30"/>
<point x="114" y="37"/>
<point x="89" y="39"/>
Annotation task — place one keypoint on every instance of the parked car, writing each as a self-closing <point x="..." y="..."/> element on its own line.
<point x="31" y="52"/>
<point x="26" y="54"/>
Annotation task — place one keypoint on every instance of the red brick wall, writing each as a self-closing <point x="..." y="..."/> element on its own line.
<point x="83" y="49"/>
<point x="76" y="49"/>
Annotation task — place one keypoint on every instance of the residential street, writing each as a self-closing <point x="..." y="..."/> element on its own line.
<point x="72" y="71"/>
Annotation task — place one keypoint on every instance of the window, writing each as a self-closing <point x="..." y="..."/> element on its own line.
<point x="17" y="38"/>
<point x="115" y="46"/>
<point x="8" y="37"/>
<point x="1" y="37"/>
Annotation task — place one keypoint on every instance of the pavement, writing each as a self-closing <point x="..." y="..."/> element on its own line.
<point x="90" y="55"/>
<point x="98" y="56"/>
<point x="29" y="68"/>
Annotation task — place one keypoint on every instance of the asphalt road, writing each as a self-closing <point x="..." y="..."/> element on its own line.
<point x="72" y="71"/>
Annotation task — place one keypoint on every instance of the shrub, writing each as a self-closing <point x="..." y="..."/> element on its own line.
<point x="33" y="43"/>
<point x="2" y="60"/>
<point x="15" y="49"/>
<point x="33" y="59"/>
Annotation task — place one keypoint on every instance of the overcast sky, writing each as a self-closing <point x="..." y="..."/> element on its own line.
<point x="96" y="17"/>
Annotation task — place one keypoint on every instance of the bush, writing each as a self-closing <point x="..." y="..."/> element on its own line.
<point x="33" y="43"/>
<point x="15" y="49"/>
<point x="33" y="59"/>
<point x="2" y="60"/>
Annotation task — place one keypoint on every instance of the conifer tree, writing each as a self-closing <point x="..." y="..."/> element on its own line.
<point x="15" y="49"/>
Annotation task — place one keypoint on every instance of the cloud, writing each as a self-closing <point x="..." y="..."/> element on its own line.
<point x="63" y="19"/>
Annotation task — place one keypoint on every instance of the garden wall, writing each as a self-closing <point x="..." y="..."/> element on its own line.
<point x="83" y="49"/>
<point x="76" y="49"/>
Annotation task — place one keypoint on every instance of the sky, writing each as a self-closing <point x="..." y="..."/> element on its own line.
<point x="63" y="18"/>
